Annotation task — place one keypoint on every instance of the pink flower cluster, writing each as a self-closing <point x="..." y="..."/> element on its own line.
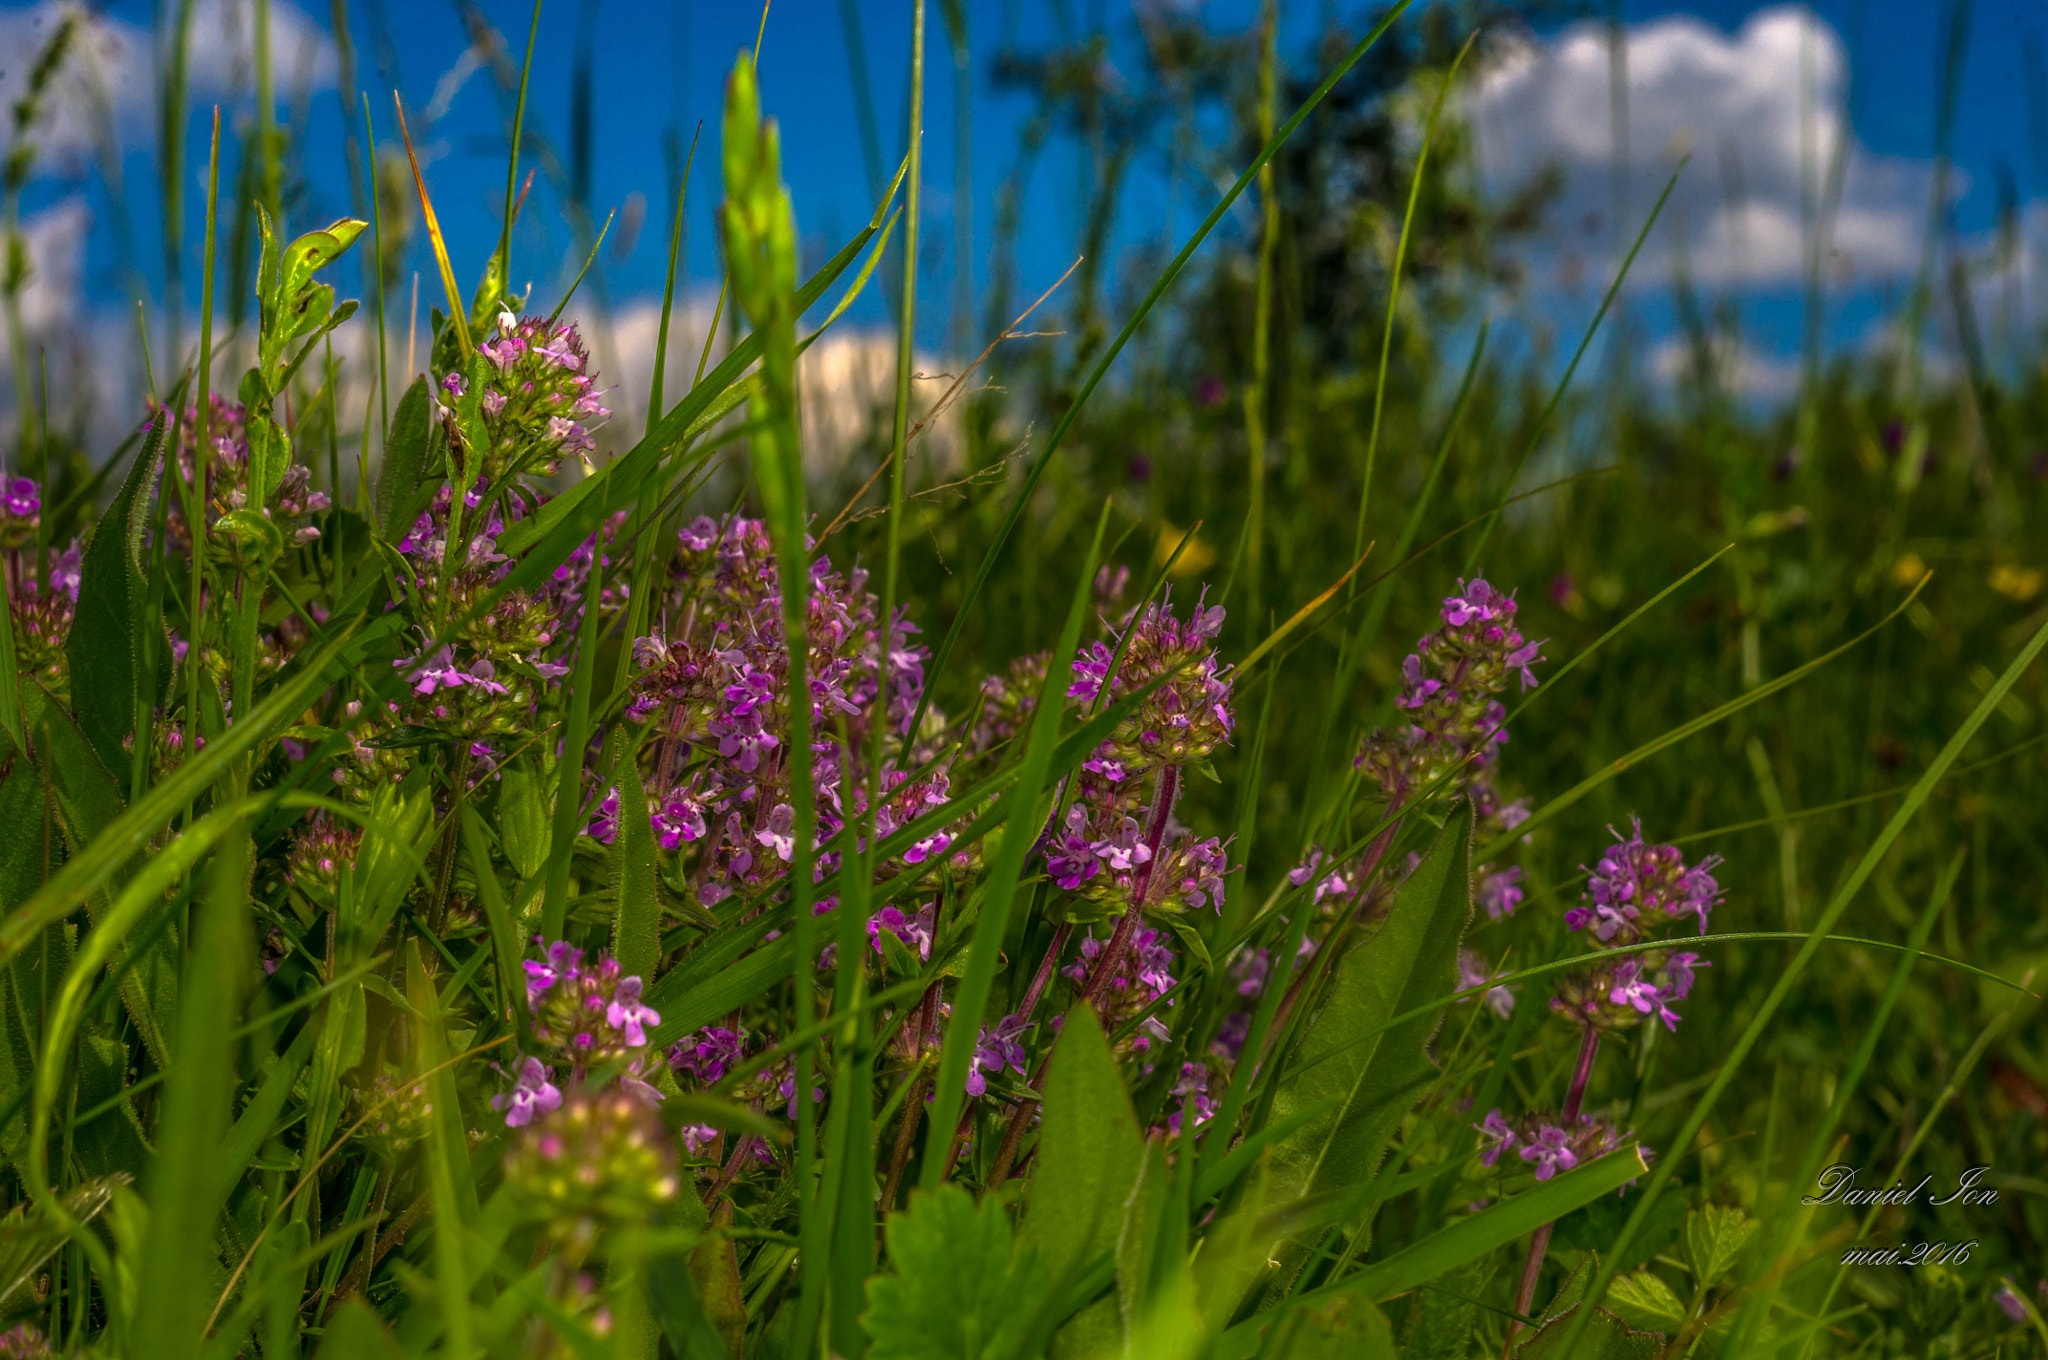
<point x="1549" y="1146"/>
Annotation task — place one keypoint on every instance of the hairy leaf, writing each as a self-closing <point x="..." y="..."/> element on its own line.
<point x="955" y="1290"/>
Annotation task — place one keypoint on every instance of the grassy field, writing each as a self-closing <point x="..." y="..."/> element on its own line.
<point x="1312" y="834"/>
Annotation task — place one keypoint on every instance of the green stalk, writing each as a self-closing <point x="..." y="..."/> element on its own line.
<point x="376" y="282"/>
<point x="501" y="262"/>
<point x="1109" y="355"/>
<point x="1379" y="387"/>
<point x="1257" y="393"/>
<point x="195" y="493"/>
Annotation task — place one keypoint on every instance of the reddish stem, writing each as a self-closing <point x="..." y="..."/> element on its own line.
<point x="1539" y="1245"/>
<point x="1127" y="925"/>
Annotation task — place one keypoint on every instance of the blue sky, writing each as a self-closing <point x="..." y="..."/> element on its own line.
<point x="658" y="69"/>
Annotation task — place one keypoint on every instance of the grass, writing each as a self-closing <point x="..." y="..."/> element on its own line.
<point x="353" y="1006"/>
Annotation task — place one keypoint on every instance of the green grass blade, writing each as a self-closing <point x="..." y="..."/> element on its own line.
<point x="1781" y="1224"/>
<point x="132" y="832"/>
<point x="1101" y="368"/>
<point x="1379" y="387"/>
<point x="1761" y="1019"/>
<point x="1020" y="821"/>
<point x="1564" y="382"/>
<point x="189" y="1182"/>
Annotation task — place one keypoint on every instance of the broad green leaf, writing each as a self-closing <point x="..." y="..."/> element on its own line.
<point x="1089" y="1151"/>
<point x="523" y="817"/>
<point x="1606" y="1337"/>
<point x="636" y="929"/>
<point x="355" y="1332"/>
<point x="405" y="462"/>
<point x="1715" y="1235"/>
<point x="1441" y="1317"/>
<point x="28" y="1237"/>
<point x="88" y="802"/>
<point x="954" y="1289"/>
<point x="23" y="846"/>
<point x="114" y="1141"/>
<point x="676" y="1289"/>
<point x="1463" y="1241"/>
<point x="1644" y="1300"/>
<point x="1089" y="1155"/>
<point x="1602" y="1337"/>
<point x="1347" y="1328"/>
<point x="104" y="648"/>
<point x="1409" y="962"/>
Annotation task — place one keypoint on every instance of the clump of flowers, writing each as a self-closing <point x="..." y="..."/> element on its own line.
<point x="397" y="1110"/>
<point x="585" y="1016"/>
<point x="1550" y="1145"/>
<point x="592" y="1160"/>
<point x="1106" y="856"/>
<point x="1189" y="1098"/>
<point x="1475" y="971"/>
<point x="539" y="400"/>
<point x="1141" y="975"/>
<point x="1187" y="716"/>
<point x="219" y="475"/>
<point x="998" y="1046"/>
<point x="42" y="591"/>
<point x="711" y="687"/>
<point x="323" y="849"/>
<point x="24" y="1342"/>
<point x="1454" y="724"/>
<point x="588" y="1014"/>
<point x="1638" y="889"/>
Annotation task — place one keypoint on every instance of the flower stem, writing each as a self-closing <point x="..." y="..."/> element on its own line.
<point x="1539" y="1245"/>
<point x="1127" y="925"/>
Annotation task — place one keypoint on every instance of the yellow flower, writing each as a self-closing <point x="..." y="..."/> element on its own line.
<point x="1198" y="557"/>
<point x="2016" y="583"/>
<point x="1908" y="570"/>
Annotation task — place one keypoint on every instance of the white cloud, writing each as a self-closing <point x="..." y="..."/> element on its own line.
<point x="106" y="87"/>
<point x="1734" y="102"/>
<point x="1738" y="370"/>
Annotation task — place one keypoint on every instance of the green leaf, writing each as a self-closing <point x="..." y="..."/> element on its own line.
<point x="105" y="645"/>
<point x="29" y="1239"/>
<point x="113" y="1142"/>
<point x="1463" y="1241"/>
<point x="1644" y="1300"/>
<point x="636" y="929"/>
<point x="256" y="536"/>
<point x="1715" y="1235"/>
<point x="1598" y="1335"/>
<point x="189" y="1183"/>
<point x="22" y="847"/>
<point x="676" y="1288"/>
<point x="355" y="1332"/>
<point x="1604" y="1337"/>
<point x="1089" y="1155"/>
<point x="523" y="816"/>
<point x="1089" y="1151"/>
<point x="954" y="1290"/>
<point x="1348" y="1328"/>
<point x="405" y="462"/>
<point x="1408" y="963"/>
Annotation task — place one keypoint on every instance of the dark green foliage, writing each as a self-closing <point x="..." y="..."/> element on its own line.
<point x="956" y="1288"/>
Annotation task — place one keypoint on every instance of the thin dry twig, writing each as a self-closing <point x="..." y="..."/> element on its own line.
<point x="946" y="399"/>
